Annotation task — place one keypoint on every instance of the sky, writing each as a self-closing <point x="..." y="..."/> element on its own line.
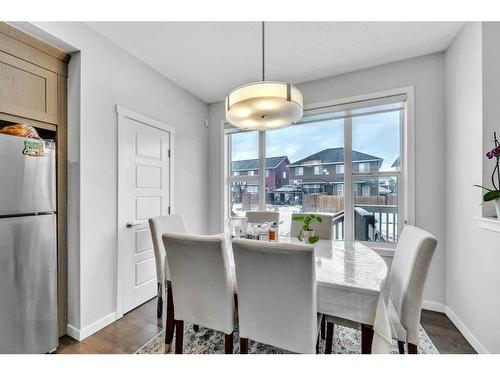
<point x="376" y="135"/>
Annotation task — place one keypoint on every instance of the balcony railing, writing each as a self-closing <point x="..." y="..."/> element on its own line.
<point x="373" y="223"/>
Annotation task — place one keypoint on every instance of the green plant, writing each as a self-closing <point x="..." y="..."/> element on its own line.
<point x="494" y="193"/>
<point x="307" y="220"/>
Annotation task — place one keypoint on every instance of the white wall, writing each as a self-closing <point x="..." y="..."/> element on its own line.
<point x="472" y="254"/>
<point x="111" y="76"/>
<point x="491" y="98"/>
<point x="427" y="75"/>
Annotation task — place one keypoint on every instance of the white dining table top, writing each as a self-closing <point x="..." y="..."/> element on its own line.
<point x="347" y="265"/>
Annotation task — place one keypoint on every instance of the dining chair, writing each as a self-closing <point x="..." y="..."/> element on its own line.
<point x="408" y="274"/>
<point x="202" y="284"/>
<point x="409" y="270"/>
<point x="263" y="217"/>
<point x="159" y="225"/>
<point x="276" y="295"/>
<point x="323" y="230"/>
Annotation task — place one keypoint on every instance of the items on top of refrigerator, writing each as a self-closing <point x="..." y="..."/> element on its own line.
<point x="20" y="130"/>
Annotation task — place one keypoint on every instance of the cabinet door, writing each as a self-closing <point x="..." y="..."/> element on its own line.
<point x="27" y="90"/>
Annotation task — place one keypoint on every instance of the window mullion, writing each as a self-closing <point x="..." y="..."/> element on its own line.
<point x="348" y="185"/>
<point x="262" y="170"/>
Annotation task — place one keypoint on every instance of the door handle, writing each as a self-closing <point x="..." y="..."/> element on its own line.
<point x="134" y="223"/>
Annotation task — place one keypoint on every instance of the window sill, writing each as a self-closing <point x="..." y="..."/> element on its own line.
<point x="489" y="223"/>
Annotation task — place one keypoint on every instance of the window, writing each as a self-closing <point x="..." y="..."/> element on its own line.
<point x="243" y="153"/>
<point x="267" y="172"/>
<point x="253" y="189"/>
<point x="364" y="167"/>
<point x="362" y="191"/>
<point x="340" y="189"/>
<point x="379" y="194"/>
<point x="366" y="190"/>
<point x="301" y="193"/>
<point x="312" y="188"/>
<point x="251" y="173"/>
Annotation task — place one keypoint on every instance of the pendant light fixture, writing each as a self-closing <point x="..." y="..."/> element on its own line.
<point x="264" y="105"/>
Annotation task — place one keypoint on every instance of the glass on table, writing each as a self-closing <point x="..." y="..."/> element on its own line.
<point x="236" y="226"/>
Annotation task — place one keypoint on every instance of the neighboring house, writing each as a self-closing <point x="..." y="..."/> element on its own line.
<point x="324" y="172"/>
<point x="276" y="172"/>
<point x="396" y="164"/>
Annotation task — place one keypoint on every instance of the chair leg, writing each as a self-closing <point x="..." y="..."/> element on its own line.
<point x="179" y="336"/>
<point x="170" y="328"/>
<point x="317" y="345"/>
<point x="196" y="327"/>
<point x="401" y="347"/>
<point x="159" y="307"/>
<point x="412" y="349"/>
<point x="366" y="339"/>
<point x="329" y="338"/>
<point x="243" y="346"/>
<point x="228" y="343"/>
<point x="323" y="328"/>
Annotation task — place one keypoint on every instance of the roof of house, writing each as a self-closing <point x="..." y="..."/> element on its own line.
<point x="396" y="163"/>
<point x="334" y="155"/>
<point x="251" y="164"/>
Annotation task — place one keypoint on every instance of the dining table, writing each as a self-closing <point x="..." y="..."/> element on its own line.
<point x="352" y="285"/>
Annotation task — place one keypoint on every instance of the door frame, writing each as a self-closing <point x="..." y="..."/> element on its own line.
<point x="122" y="114"/>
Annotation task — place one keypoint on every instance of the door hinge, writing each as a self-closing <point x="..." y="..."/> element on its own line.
<point x="168" y="152"/>
<point x="169" y="210"/>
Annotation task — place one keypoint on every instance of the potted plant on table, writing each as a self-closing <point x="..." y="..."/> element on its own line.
<point x="306" y="232"/>
<point x="494" y="194"/>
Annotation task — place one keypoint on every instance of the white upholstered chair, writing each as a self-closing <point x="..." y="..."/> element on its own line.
<point x="323" y="230"/>
<point x="159" y="225"/>
<point x="276" y="295"/>
<point x="202" y="284"/>
<point x="408" y="274"/>
<point x="263" y="217"/>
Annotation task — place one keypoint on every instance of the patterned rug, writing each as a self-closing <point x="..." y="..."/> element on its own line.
<point x="206" y="341"/>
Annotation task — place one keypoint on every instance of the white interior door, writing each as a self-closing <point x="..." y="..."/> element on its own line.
<point x="144" y="191"/>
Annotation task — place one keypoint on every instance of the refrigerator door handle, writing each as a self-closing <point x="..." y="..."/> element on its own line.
<point x="135" y="223"/>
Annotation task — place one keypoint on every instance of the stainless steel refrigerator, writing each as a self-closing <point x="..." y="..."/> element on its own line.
<point x="28" y="272"/>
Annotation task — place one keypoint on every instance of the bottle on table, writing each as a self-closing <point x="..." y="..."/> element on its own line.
<point x="273" y="232"/>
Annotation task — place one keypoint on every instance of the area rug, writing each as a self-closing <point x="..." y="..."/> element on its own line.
<point x="207" y="341"/>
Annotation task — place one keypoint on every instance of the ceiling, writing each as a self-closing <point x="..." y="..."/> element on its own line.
<point x="210" y="58"/>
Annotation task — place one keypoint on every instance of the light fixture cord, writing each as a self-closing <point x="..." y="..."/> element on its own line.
<point x="263" y="52"/>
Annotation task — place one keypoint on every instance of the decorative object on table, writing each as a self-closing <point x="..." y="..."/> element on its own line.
<point x="261" y="230"/>
<point x="273" y="232"/>
<point x="265" y="104"/>
<point x="307" y="233"/>
<point x="20" y="130"/>
<point x="494" y="194"/>
<point x="237" y="226"/>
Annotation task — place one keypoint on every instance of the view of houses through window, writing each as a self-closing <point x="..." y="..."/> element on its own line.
<point x="305" y="170"/>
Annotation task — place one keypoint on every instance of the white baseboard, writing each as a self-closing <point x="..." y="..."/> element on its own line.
<point x="81" y="334"/>
<point x="465" y="331"/>
<point x="433" y="306"/>
<point x="439" y="307"/>
<point x="73" y="332"/>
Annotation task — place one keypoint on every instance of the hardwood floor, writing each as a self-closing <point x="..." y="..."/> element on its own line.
<point x="443" y="333"/>
<point x="138" y="326"/>
<point x="123" y="336"/>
